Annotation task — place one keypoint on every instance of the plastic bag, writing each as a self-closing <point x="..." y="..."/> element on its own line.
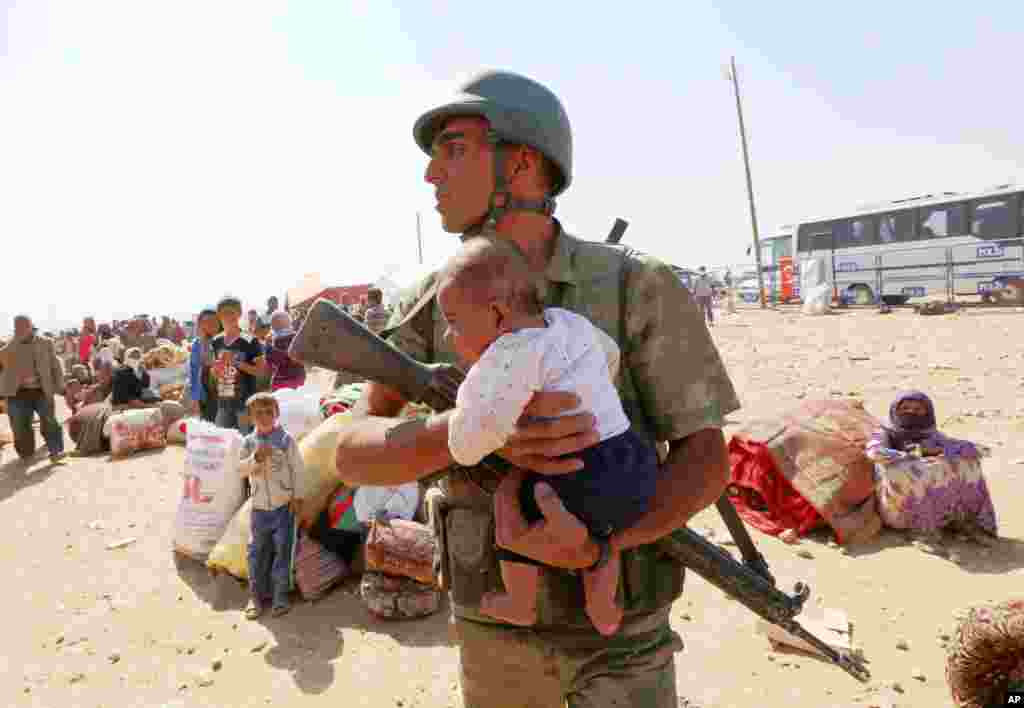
<point x="300" y="410"/>
<point x="319" y="448"/>
<point x="177" y="374"/>
<point x="131" y="431"/>
<point x="399" y="502"/>
<point x="816" y="300"/>
<point x="212" y="491"/>
<point x="177" y="432"/>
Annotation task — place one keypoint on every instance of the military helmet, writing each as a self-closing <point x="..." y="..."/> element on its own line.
<point x="519" y="110"/>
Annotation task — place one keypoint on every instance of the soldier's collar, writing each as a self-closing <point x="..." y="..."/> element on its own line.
<point x="560" y="269"/>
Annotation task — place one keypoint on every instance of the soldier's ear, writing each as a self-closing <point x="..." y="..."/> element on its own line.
<point x="500" y="311"/>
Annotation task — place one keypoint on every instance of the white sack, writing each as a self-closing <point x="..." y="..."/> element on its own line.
<point x="212" y="488"/>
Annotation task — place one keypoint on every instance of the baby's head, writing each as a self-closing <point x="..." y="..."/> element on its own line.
<point x="263" y="410"/>
<point x="486" y="290"/>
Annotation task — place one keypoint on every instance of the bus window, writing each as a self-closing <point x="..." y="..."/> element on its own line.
<point x="814" y="237"/>
<point x="933" y="223"/>
<point x="1020" y="216"/>
<point x="896" y="227"/>
<point x="992" y="219"/>
<point x="841" y="234"/>
<point x="822" y="241"/>
<point x="862" y="232"/>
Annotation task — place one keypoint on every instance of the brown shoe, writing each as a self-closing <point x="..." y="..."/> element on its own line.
<point x="253" y="610"/>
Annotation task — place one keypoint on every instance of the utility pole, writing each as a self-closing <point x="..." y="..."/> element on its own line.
<point x="419" y="237"/>
<point x="750" y="186"/>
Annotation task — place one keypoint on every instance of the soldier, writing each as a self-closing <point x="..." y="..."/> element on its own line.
<point x="499" y="153"/>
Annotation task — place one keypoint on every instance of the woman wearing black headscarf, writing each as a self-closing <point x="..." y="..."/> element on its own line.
<point x="926" y="481"/>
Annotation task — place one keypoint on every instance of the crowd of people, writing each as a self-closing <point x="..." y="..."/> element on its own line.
<point x="99" y="368"/>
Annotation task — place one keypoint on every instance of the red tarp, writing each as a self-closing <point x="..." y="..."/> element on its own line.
<point x="766" y="500"/>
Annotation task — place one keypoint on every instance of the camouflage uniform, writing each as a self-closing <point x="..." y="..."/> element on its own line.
<point x="673" y="384"/>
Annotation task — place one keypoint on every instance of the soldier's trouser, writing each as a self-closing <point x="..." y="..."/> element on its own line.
<point x="504" y="667"/>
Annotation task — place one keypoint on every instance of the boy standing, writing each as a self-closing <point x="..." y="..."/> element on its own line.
<point x="273" y="465"/>
<point x="239" y="361"/>
<point x="201" y="392"/>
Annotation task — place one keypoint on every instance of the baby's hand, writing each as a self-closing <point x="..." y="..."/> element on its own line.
<point x="263" y="452"/>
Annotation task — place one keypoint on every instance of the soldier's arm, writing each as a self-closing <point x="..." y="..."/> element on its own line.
<point x="693" y="477"/>
<point x="685" y="393"/>
<point x="377" y="448"/>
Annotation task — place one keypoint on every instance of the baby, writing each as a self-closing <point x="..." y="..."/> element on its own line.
<point x="515" y="347"/>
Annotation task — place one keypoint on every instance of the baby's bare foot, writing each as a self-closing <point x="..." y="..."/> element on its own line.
<point x="600" y="586"/>
<point x="508" y="608"/>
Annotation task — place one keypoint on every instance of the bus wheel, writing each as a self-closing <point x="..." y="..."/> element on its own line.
<point x="987" y="298"/>
<point x="861" y="294"/>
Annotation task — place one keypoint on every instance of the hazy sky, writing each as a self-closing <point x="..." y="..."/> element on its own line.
<point x="156" y="155"/>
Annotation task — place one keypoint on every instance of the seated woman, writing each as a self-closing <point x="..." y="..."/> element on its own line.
<point x="131" y="383"/>
<point x="926" y="481"/>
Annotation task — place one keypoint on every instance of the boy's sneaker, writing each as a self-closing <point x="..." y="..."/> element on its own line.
<point x="59" y="459"/>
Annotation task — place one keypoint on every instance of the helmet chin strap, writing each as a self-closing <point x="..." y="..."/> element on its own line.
<point x="501" y="201"/>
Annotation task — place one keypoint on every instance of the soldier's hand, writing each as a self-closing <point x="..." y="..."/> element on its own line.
<point x="539" y="445"/>
<point x="559" y="539"/>
<point x="444" y="386"/>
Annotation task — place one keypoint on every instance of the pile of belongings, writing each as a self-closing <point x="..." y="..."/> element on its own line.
<point x="165" y="355"/>
<point x="399" y="581"/>
<point x="936" y="307"/>
<point x="398" y="552"/>
<point x="343" y="398"/>
<point x="172" y="392"/>
<point x="131" y="431"/>
<point x="807" y="468"/>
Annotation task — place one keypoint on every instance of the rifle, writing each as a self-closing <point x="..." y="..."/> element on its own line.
<point x="618" y="229"/>
<point x="331" y="339"/>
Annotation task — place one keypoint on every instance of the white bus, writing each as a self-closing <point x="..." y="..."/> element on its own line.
<point x="936" y="245"/>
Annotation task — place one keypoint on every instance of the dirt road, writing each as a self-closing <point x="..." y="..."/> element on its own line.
<point x="93" y="626"/>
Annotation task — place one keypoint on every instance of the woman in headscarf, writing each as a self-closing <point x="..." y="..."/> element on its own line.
<point x="926" y="481"/>
<point x="285" y="372"/>
<point x="985" y="659"/>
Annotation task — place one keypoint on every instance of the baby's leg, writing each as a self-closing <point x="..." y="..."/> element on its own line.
<point x="600" y="587"/>
<point x="518" y="604"/>
<point x="565" y="526"/>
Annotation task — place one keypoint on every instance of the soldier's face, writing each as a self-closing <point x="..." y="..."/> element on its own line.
<point x="461" y="169"/>
<point x="22" y="327"/>
<point x="471" y="326"/>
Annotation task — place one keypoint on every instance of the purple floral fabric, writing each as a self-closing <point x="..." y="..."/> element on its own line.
<point x="928" y="494"/>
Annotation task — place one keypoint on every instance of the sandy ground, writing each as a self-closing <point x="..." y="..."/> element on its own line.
<point x="94" y="627"/>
